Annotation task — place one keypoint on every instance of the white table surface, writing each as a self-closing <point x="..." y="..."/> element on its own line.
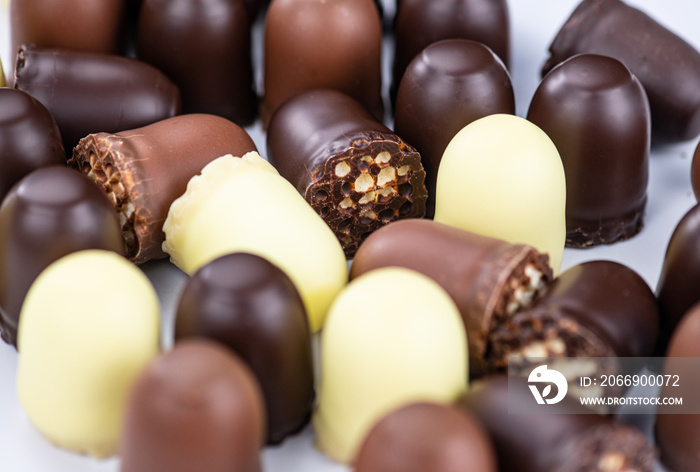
<point x="534" y="23"/>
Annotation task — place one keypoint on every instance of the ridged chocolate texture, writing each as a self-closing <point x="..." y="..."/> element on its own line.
<point x="145" y="169"/>
<point x="50" y="213"/>
<point x="312" y="44"/>
<point x="678" y="435"/>
<point x="565" y="439"/>
<point x="204" y="47"/>
<point x="355" y="172"/>
<point x="666" y="65"/>
<point x="79" y="25"/>
<point x="195" y="408"/>
<point x="597" y="114"/>
<point x="447" y="86"/>
<point x="419" y="23"/>
<point x="89" y="92"/>
<point x="251" y="306"/>
<point x="677" y="288"/>
<point x="29" y="138"/>
<point x="426" y="436"/>
<point x="488" y="279"/>
<point x="595" y="309"/>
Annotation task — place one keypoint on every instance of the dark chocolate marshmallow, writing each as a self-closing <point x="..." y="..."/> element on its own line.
<point x="204" y="47"/>
<point x="312" y="44"/>
<point x="677" y="289"/>
<point x="29" y="138"/>
<point x="597" y="114"/>
<point x="423" y="437"/>
<point x="355" y="172"/>
<point x="447" y="86"/>
<point x="251" y="306"/>
<point x="196" y="407"/>
<point x="50" y="213"/>
<point x="666" y="65"/>
<point x="89" y="92"/>
<point x="567" y="438"/>
<point x="145" y="169"/>
<point x="489" y="279"/>
<point x="594" y="309"/>
<point x="419" y="23"/>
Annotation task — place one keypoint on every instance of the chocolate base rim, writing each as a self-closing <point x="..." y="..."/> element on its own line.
<point x="340" y="204"/>
<point x="588" y="234"/>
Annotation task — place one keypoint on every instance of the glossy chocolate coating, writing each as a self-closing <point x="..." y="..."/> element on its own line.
<point x="51" y="212"/>
<point x="678" y="435"/>
<point x="666" y="65"/>
<point x="427" y="436"/>
<point x="695" y="173"/>
<point x="355" y="172"/>
<point x="79" y="25"/>
<point x="488" y="279"/>
<point x="567" y="438"/>
<point x="597" y="114"/>
<point x="92" y="92"/>
<point x="312" y="44"/>
<point x="29" y="138"/>
<point x="145" y="169"/>
<point x="204" y="47"/>
<point x="447" y="86"/>
<point x="677" y="289"/>
<point x="594" y="309"/>
<point x="251" y="306"/>
<point x="419" y="23"/>
<point x="196" y="407"/>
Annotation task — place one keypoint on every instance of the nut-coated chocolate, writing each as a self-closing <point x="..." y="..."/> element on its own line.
<point x="419" y="23"/>
<point x="597" y="114"/>
<point x="488" y="278"/>
<point x="29" y="138"/>
<point x="427" y="436"/>
<point x="594" y="309"/>
<point x="354" y="171"/>
<point x="144" y="170"/>
<point x="311" y="44"/>
<point x="447" y="86"/>
<point x="196" y="407"/>
<point x="205" y="49"/>
<point x="665" y="64"/>
<point x="567" y="438"/>
<point x="91" y="92"/>
<point x="80" y="25"/>
<point x="678" y="435"/>
<point x="677" y="288"/>
<point x="250" y="305"/>
<point x="51" y="212"/>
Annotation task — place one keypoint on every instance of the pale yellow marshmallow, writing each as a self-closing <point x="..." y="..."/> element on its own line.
<point x="393" y="336"/>
<point x="88" y="326"/>
<point x="502" y="176"/>
<point x="244" y="205"/>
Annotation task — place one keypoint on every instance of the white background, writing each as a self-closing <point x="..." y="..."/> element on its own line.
<point x="534" y="23"/>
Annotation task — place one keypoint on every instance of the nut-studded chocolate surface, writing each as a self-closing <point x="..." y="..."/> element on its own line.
<point x="356" y="173"/>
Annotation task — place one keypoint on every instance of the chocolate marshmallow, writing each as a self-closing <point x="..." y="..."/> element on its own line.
<point x="355" y="172"/>
<point x="597" y="114"/>
<point x="311" y="44"/>
<point x="51" y="212"/>
<point x="89" y="92"/>
<point x="447" y="86"/>
<point x="205" y="49"/>
<point x="144" y="170"/>
<point x="666" y="65"/>
<point x="488" y="278"/>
